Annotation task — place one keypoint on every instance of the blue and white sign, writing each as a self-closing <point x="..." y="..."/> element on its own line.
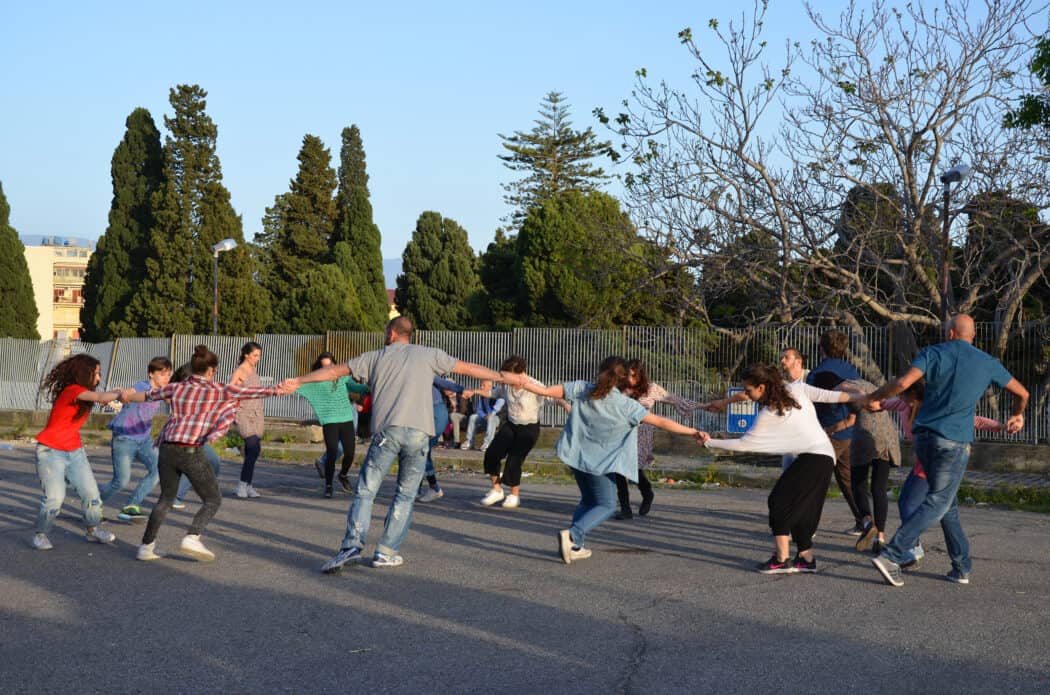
<point x="740" y="416"/>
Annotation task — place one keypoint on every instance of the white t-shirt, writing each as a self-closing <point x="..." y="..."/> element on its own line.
<point x="795" y="432"/>
<point x="523" y="407"/>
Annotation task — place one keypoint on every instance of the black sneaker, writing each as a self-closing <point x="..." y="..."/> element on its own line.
<point x="328" y="491"/>
<point x="344" y="481"/>
<point x="857" y="530"/>
<point x="775" y="566"/>
<point x="877" y="547"/>
<point x="802" y="565"/>
<point x="647" y="504"/>
<point x="624" y="513"/>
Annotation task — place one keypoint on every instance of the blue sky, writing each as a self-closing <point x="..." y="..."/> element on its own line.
<point x="429" y="84"/>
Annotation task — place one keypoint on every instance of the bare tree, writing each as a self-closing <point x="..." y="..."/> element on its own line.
<point x="814" y="181"/>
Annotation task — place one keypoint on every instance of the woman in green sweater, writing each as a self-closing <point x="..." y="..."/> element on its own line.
<point x="331" y="403"/>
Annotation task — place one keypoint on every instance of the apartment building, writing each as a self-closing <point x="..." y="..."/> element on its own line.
<point x="57" y="266"/>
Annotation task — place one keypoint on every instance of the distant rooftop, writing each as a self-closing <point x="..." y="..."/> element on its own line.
<point x="39" y="240"/>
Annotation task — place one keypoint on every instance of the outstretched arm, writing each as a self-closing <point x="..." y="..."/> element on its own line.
<point x="100" y="397"/>
<point x="670" y="425"/>
<point x="552" y="391"/>
<point x="478" y="372"/>
<point x="329" y="373"/>
<point x="892" y="388"/>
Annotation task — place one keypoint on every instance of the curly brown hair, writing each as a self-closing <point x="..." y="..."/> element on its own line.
<point x="776" y="398"/>
<point x="612" y="373"/>
<point x="79" y="370"/>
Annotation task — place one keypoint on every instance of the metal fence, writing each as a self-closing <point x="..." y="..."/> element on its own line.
<point x="695" y="363"/>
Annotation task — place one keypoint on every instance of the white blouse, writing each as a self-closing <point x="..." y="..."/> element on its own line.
<point x="795" y="432"/>
<point x="523" y="407"/>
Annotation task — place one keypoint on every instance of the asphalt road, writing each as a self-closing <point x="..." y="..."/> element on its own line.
<point x="667" y="604"/>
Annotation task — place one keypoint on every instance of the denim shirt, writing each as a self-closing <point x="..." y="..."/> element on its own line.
<point x="600" y="436"/>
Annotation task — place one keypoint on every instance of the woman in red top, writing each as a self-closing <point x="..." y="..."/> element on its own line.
<point x="60" y="456"/>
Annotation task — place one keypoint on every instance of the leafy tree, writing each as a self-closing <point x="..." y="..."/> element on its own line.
<point x="324" y="300"/>
<point x="19" y="315"/>
<point x="1034" y="110"/>
<point x="580" y="262"/>
<point x="298" y="229"/>
<point x="193" y="212"/>
<point x="439" y="275"/>
<point x="553" y="157"/>
<point x="496" y="303"/>
<point x="116" y="270"/>
<point x="363" y="257"/>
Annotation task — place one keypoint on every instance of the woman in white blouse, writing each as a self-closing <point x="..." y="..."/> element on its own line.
<point x="787" y="424"/>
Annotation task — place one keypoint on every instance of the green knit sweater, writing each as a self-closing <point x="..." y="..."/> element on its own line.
<point x="330" y="399"/>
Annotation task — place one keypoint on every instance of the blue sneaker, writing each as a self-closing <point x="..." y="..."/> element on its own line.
<point x="957" y="577"/>
<point x="344" y="556"/>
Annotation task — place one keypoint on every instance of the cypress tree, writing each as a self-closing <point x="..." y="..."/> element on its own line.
<point x="193" y="212"/>
<point x="553" y="156"/>
<point x="298" y="228"/>
<point x="498" y="303"/>
<point x="439" y="275"/>
<point x="19" y="314"/>
<point x="355" y="227"/>
<point x="116" y="269"/>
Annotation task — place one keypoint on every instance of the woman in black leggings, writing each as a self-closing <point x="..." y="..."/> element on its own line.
<point x="515" y="437"/>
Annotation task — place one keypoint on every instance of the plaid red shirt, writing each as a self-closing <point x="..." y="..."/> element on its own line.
<point x="202" y="410"/>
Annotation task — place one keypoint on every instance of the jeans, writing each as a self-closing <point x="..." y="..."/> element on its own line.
<point x="190" y="462"/>
<point x="124" y="451"/>
<point x="212" y="458"/>
<point x="55" y="467"/>
<point x="252" y="449"/>
<point x="491" y="425"/>
<point x="945" y="463"/>
<point x="440" y="423"/>
<point x="597" y="503"/>
<point x="387" y="446"/>
<point x="456" y="419"/>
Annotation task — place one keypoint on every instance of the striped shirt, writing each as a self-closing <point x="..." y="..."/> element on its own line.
<point x="202" y="410"/>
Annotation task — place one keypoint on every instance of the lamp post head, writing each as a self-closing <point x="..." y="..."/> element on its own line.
<point x="958" y="173"/>
<point x="224" y="245"/>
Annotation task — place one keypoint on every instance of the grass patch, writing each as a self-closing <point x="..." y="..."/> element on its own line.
<point x="1016" y="497"/>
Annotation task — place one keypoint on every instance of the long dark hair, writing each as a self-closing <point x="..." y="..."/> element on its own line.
<point x="776" y="398"/>
<point x="181" y="374"/>
<point x="317" y="363"/>
<point x="248" y="348"/>
<point x="78" y="369"/>
<point x="638" y="367"/>
<point x="612" y="373"/>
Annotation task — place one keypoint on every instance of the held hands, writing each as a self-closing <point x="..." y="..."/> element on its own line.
<point x="701" y="437"/>
<point x="1015" y="424"/>
<point x="288" y="386"/>
<point x="715" y="406"/>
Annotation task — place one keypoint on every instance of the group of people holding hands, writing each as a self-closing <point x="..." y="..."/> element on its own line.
<point x="606" y="441"/>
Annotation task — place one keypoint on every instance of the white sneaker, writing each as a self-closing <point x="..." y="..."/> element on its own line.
<point x="431" y="494"/>
<point x="579" y="553"/>
<point x="511" y="502"/>
<point x="484" y="447"/>
<point x="252" y="492"/>
<point x="178" y="504"/>
<point x="495" y="495"/>
<point x="41" y="542"/>
<point x="191" y="546"/>
<point x="465" y="446"/>
<point x="242" y="490"/>
<point x="99" y="535"/>
<point x="147" y="551"/>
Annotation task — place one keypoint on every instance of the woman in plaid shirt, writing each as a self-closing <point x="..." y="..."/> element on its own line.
<point x="202" y="410"/>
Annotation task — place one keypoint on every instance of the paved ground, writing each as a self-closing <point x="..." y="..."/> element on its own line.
<point x="668" y="604"/>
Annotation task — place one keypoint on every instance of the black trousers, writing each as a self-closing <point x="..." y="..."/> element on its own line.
<point x="189" y="461"/>
<point x="623" y="490"/>
<point x="336" y="433"/>
<point x="797" y="499"/>
<point x="879" y="472"/>
<point x="515" y="442"/>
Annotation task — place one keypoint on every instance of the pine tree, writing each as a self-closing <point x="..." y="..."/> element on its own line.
<point x="354" y="226"/>
<point x="439" y="275"/>
<point x="116" y="270"/>
<point x="19" y="314"/>
<point x="193" y="212"/>
<point x="298" y="228"/>
<point x="553" y="156"/>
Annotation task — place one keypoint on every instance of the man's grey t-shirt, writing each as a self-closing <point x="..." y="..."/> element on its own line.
<point x="400" y="377"/>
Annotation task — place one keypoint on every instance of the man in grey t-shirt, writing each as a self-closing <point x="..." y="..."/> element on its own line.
<point x="400" y="376"/>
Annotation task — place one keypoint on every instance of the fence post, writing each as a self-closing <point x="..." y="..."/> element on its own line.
<point x="112" y="361"/>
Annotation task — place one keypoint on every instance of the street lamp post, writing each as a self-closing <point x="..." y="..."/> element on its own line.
<point x="224" y="245"/>
<point x="956" y="174"/>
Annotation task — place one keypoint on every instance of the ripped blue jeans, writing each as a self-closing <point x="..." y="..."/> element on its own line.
<point x="410" y="446"/>
<point x="55" y="467"/>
